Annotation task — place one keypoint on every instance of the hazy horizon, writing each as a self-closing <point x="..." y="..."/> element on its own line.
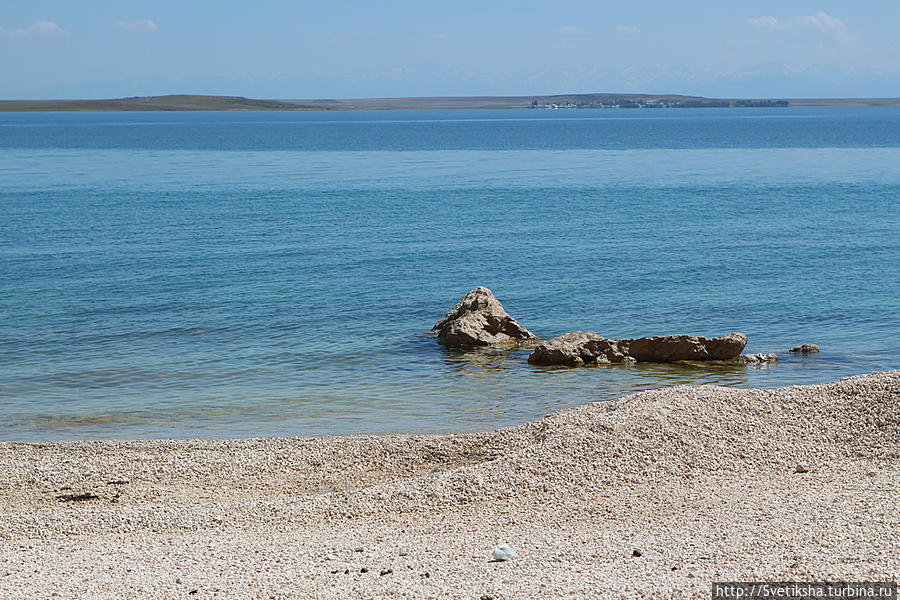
<point x="547" y="95"/>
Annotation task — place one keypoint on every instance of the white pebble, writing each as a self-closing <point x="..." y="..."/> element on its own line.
<point x="504" y="552"/>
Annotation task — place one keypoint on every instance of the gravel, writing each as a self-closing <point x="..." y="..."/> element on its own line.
<point x="705" y="481"/>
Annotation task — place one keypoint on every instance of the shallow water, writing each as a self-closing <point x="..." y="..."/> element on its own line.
<point x="250" y="274"/>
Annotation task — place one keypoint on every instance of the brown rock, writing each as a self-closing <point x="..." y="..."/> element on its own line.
<point x="573" y="349"/>
<point x="479" y="320"/>
<point x="582" y="347"/>
<point x="669" y="348"/>
<point x="805" y="349"/>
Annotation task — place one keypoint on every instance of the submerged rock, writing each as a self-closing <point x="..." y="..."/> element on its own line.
<point x="761" y="357"/>
<point x="586" y="347"/>
<point x="479" y="320"/>
<point x="805" y="349"/>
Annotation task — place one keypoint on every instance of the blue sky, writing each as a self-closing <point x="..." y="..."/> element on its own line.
<point x="342" y="48"/>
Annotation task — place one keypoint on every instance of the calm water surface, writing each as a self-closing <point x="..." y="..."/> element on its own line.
<point x="250" y="274"/>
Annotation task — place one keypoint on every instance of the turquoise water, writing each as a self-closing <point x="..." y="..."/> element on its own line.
<point x="251" y="274"/>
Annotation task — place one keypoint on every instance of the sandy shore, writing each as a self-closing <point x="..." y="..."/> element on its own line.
<point x="701" y="482"/>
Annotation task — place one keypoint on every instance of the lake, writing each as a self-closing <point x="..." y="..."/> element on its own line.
<point x="244" y="274"/>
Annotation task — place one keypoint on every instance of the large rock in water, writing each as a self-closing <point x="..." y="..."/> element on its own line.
<point x="583" y="347"/>
<point x="479" y="320"/>
<point x="669" y="348"/>
<point x="572" y="349"/>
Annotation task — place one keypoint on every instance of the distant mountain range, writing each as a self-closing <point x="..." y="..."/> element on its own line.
<point x="198" y="102"/>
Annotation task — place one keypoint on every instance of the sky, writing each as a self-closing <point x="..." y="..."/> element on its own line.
<point x="353" y="49"/>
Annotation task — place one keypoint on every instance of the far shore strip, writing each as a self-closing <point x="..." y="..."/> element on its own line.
<point x="654" y="495"/>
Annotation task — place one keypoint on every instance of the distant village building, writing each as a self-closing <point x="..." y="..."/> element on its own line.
<point x="651" y="102"/>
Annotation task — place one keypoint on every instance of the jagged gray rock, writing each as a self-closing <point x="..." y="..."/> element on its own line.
<point x="805" y="349"/>
<point x="479" y="320"/>
<point x="585" y="347"/>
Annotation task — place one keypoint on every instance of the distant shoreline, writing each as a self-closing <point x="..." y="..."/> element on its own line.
<point x="566" y="101"/>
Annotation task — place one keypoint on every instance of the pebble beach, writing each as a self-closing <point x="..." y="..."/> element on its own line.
<point x="653" y="495"/>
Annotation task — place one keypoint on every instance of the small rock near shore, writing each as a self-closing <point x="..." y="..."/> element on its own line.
<point x="805" y="349"/>
<point x="761" y="357"/>
<point x="479" y="320"/>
